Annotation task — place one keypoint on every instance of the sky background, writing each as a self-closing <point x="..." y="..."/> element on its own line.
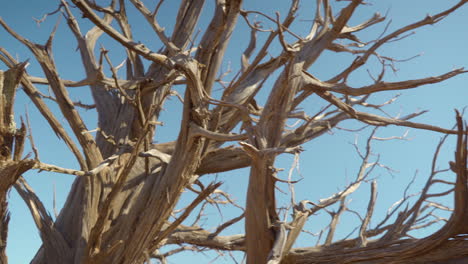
<point x="328" y="163"/>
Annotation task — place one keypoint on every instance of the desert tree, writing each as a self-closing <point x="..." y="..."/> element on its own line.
<point x="122" y="205"/>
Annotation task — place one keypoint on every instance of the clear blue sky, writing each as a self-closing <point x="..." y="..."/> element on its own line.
<point x="328" y="162"/>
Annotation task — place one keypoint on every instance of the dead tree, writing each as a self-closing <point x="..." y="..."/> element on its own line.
<point x="126" y="189"/>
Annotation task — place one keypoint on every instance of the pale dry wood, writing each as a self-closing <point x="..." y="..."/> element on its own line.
<point x="203" y="238"/>
<point x="55" y="246"/>
<point x="431" y="248"/>
<point x="54" y="168"/>
<point x="197" y="89"/>
<point x="376" y="120"/>
<point x="139" y="48"/>
<point x="342" y="88"/>
<point x="151" y="18"/>
<point x="428" y="20"/>
<point x="54" y="123"/>
<point x="43" y="56"/>
<point x="119" y="211"/>
<point x="187" y="211"/>
<point x="12" y="164"/>
<point x="261" y="207"/>
<point x="370" y="211"/>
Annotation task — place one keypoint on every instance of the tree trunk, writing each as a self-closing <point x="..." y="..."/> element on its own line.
<point x="11" y="147"/>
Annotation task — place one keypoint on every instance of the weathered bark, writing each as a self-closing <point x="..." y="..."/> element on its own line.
<point x="11" y="147"/>
<point x="450" y="252"/>
<point x="120" y="206"/>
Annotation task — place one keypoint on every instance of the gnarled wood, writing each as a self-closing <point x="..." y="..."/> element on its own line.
<point x="11" y="147"/>
<point x="121" y="207"/>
